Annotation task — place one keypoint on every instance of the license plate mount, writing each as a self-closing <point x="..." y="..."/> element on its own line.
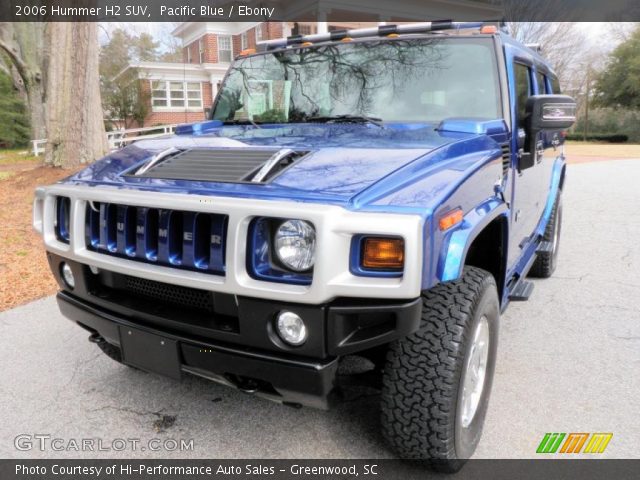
<point x="150" y="352"/>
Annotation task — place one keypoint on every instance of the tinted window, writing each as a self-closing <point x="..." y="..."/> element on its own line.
<point x="542" y="83"/>
<point x="523" y="90"/>
<point x="555" y="84"/>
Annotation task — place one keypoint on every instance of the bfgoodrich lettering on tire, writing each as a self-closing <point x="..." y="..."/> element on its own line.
<point x="437" y="381"/>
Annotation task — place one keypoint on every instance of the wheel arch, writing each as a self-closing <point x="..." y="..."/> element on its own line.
<point x="488" y="250"/>
<point x="480" y="241"/>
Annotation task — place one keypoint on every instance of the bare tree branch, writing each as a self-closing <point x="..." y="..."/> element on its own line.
<point x="20" y="65"/>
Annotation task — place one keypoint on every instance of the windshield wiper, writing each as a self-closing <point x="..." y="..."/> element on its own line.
<point x="241" y="122"/>
<point x="345" y="119"/>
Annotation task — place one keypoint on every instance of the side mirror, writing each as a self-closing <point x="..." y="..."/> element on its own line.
<point x="544" y="113"/>
<point x="550" y="112"/>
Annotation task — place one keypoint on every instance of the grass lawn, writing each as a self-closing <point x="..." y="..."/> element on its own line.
<point x="17" y="156"/>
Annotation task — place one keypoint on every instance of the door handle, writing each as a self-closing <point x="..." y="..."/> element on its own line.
<point x="539" y="150"/>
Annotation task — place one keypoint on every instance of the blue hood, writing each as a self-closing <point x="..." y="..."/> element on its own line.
<point x="344" y="160"/>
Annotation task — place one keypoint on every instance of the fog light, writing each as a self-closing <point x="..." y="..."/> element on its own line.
<point x="67" y="275"/>
<point x="291" y="328"/>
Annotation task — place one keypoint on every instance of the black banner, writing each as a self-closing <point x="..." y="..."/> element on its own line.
<point x="583" y="469"/>
<point x="318" y="10"/>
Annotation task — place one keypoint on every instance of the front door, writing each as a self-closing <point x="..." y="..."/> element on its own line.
<point x="527" y="200"/>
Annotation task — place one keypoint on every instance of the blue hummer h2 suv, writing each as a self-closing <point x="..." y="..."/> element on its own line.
<point x="380" y="193"/>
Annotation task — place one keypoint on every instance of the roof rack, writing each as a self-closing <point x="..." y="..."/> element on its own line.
<point x="379" y="31"/>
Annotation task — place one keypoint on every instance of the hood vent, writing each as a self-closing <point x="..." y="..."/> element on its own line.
<point x="506" y="158"/>
<point x="218" y="165"/>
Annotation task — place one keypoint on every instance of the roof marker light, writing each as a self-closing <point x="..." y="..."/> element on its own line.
<point x="490" y="29"/>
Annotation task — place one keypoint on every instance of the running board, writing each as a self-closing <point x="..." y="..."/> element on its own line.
<point x="544" y="247"/>
<point x="522" y="291"/>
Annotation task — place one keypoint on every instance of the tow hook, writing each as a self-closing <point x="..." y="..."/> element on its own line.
<point x="96" y="338"/>
<point x="247" y="385"/>
<point x="244" y="384"/>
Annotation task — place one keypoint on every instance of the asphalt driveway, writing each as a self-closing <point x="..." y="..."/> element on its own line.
<point x="569" y="361"/>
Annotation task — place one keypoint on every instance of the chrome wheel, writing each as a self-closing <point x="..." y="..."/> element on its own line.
<point x="475" y="372"/>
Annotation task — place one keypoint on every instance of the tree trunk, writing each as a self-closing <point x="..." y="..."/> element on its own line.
<point x="75" y="128"/>
<point x="586" y="106"/>
<point x="24" y="45"/>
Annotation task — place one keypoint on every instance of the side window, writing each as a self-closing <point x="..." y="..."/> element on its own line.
<point x="542" y="83"/>
<point x="555" y="85"/>
<point x="523" y="90"/>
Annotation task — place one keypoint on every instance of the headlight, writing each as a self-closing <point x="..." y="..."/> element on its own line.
<point x="295" y="244"/>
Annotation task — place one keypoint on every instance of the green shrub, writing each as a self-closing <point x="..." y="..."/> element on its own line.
<point x="14" y="119"/>
<point x="599" y="137"/>
<point x="606" y="121"/>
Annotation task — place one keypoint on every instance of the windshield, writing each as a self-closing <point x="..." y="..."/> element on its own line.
<point x="413" y="80"/>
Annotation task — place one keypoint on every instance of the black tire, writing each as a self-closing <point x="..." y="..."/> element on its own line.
<point x="424" y="373"/>
<point x="545" y="263"/>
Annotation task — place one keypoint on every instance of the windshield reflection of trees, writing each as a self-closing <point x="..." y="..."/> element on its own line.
<point x="354" y="74"/>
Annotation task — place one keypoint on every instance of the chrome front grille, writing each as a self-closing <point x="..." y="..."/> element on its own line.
<point x="179" y="239"/>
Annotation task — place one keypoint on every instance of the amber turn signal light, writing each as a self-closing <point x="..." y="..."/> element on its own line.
<point x="383" y="253"/>
<point x="450" y="219"/>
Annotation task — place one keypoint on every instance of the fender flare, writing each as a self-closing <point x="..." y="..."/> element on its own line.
<point x="456" y="243"/>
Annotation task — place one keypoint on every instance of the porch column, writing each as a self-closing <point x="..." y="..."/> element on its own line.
<point x="322" y="26"/>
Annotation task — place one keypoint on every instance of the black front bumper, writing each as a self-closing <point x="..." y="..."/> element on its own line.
<point x="232" y="340"/>
<point x="296" y="381"/>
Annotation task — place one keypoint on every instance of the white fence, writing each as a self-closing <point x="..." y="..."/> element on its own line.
<point x="118" y="138"/>
<point x="38" y="146"/>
